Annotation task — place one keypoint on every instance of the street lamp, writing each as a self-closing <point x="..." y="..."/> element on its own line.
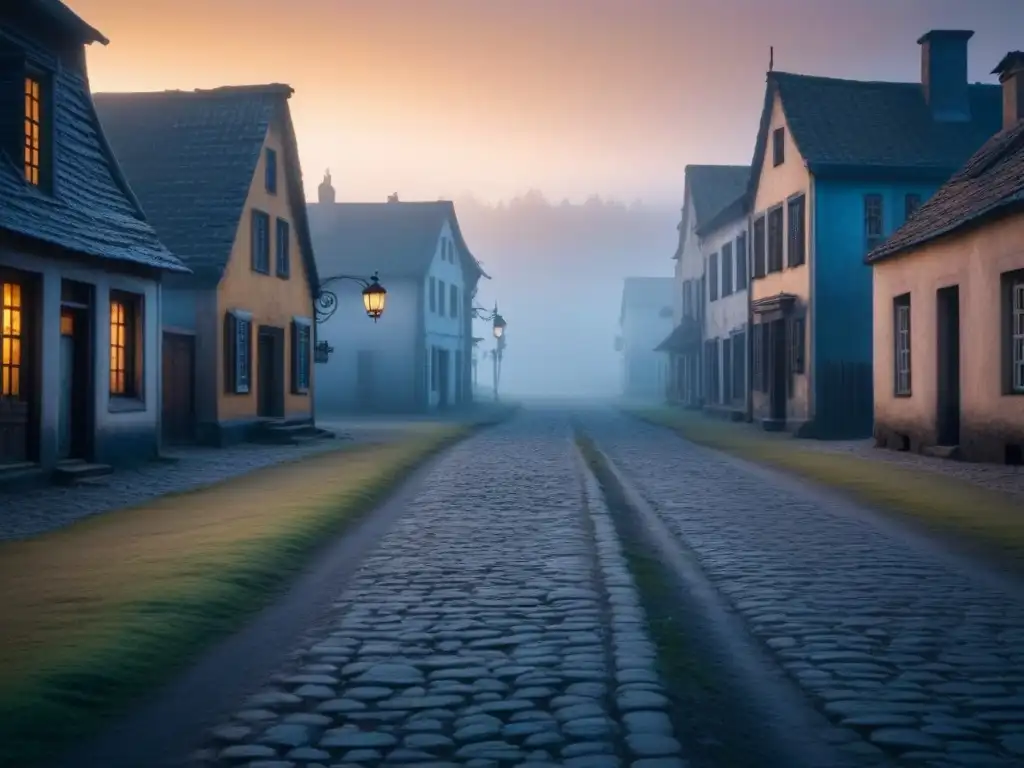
<point x="498" y="325"/>
<point x="374" y="297"/>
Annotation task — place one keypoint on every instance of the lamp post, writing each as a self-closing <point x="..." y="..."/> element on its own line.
<point x="374" y="298"/>
<point x="498" y="329"/>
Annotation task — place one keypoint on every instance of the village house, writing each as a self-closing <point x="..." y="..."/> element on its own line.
<point x="418" y="356"/>
<point x="708" y="190"/>
<point x="949" y="306"/>
<point x="644" y="317"/>
<point x="80" y="268"/>
<point x="723" y="245"/>
<point x="838" y="166"/>
<point x="217" y="173"/>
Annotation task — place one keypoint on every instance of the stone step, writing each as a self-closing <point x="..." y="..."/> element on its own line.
<point x="76" y="471"/>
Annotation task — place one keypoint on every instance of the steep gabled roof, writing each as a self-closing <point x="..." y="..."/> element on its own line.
<point x="396" y="239"/>
<point x="989" y="184"/>
<point x="190" y="157"/>
<point x="90" y="209"/>
<point x="862" y="129"/>
<point x="713" y="188"/>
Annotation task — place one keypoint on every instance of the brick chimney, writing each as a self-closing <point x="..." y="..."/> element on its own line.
<point x="944" y="73"/>
<point x="1011" y="76"/>
<point x="325" y="192"/>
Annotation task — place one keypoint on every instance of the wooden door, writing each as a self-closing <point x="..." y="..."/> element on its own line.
<point x="948" y="347"/>
<point x="778" y="364"/>
<point x="270" y="372"/>
<point x="179" y="400"/>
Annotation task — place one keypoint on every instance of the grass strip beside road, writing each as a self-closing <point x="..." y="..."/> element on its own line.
<point x="96" y="614"/>
<point x="987" y="521"/>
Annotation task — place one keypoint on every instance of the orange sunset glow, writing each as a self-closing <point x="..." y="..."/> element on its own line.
<point x="493" y="97"/>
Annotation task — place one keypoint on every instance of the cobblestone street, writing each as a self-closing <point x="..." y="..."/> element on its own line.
<point x="495" y="624"/>
<point x="889" y="640"/>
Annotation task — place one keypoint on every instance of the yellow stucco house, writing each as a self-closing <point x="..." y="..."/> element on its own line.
<point x="217" y="173"/>
<point x="949" y="306"/>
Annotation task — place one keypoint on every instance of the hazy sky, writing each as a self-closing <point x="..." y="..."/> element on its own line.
<point x="444" y="97"/>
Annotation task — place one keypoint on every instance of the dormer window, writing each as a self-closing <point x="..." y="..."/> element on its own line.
<point x="33" y="130"/>
<point x="778" y="146"/>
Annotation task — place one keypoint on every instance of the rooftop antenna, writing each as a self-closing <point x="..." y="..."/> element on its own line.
<point x="771" y="58"/>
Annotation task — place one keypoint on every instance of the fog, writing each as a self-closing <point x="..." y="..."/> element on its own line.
<point x="556" y="273"/>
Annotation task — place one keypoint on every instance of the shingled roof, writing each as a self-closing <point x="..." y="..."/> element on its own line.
<point x="860" y="129"/>
<point x="713" y="188"/>
<point x="396" y="239"/>
<point x="991" y="183"/>
<point x="90" y="209"/>
<point x="190" y="157"/>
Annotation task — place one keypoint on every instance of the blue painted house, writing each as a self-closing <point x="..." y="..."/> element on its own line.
<point x="838" y="166"/>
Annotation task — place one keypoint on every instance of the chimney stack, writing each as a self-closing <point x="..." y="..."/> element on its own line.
<point x="325" y="192"/>
<point x="1011" y="76"/>
<point x="944" y="73"/>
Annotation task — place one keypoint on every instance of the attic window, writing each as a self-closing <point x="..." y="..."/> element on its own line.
<point x="33" y="129"/>
<point x="778" y="146"/>
<point x="271" y="170"/>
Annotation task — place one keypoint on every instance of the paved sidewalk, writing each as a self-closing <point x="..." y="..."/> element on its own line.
<point x="479" y="632"/>
<point x="889" y="640"/>
<point x="23" y="515"/>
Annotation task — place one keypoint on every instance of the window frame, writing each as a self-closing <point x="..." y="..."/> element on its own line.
<point x="798" y="345"/>
<point x="283" y="247"/>
<point x="739" y="364"/>
<point x="757" y="357"/>
<point x="433" y="294"/>
<point x="713" y="277"/>
<point x="773" y="264"/>
<point x="44" y="167"/>
<point x="760" y="247"/>
<point x="796" y="231"/>
<point x="1013" y="332"/>
<point x="778" y="146"/>
<point x="872" y="240"/>
<point x="259" y="257"/>
<point x="741" y="263"/>
<point x="441" y="297"/>
<point x="234" y="383"/>
<point x="902" y="346"/>
<point x="13" y="373"/>
<point x="301" y="364"/>
<point x="270" y="170"/>
<point x="453" y="300"/>
<point x="133" y="389"/>
<point x="725" y="263"/>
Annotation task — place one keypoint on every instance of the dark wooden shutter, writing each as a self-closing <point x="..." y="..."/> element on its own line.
<point x="230" y="343"/>
<point x="295" y="358"/>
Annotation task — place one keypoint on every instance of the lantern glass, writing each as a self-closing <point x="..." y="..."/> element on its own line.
<point x="498" y="331"/>
<point x="374" y="296"/>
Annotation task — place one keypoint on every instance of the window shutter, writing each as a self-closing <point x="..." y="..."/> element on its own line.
<point x="295" y="358"/>
<point x="230" y="336"/>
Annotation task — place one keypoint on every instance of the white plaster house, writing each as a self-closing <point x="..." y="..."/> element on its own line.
<point x="418" y="356"/>
<point x="645" y="317"/>
<point x="709" y="189"/>
<point x="80" y="270"/>
<point x="723" y="244"/>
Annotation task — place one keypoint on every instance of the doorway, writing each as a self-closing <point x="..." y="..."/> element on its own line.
<point x="270" y="372"/>
<point x="73" y="410"/>
<point x="778" y="358"/>
<point x="178" y="424"/>
<point x="948" y="357"/>
<point x="443" y="378"/>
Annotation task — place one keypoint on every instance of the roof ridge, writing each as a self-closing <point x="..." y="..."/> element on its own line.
<point x="855" y="81"/>
<point x="272" y="89"/>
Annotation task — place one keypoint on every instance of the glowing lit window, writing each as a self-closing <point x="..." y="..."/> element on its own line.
<point x="33" y="129"/>
<point x="10" y="333"/>
<point x="123" y="346"/>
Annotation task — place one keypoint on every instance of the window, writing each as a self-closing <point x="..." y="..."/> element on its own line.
<point x="757" y="361"/>
<point x="34" y="130"/>
<point x="713" y="277"/>
<point x="766" y="354"/>
<point x="797" y="232"/>
<point x="727" y="377"/>
<point x="687" y="298"/>
<point x="302" y="335"/>
<point x="778" y="146"/>
<point x="901" y="327"/>
<point x="260" y="242"/>
<point x="1013" y="283"/>
<point x="741" y="262"/>
<point x="727" y="269"/>
<point x="775" y="221"/>
<point x="453" y="301"/>
<point x="237" y="352"/>
<point x="712" y="371"/>
<point x="873" y="221"/>
<point x="797" y="345"/>
<point x="910" y="205"/>
<point x="125" y="343"/>
<point x="284" y="262"/>
<point x="10" y="338"/>
<point x="270" y="171"/>
<point x="739" y="365"/>
<point x="440" y="298"/>
<point x="434" y="368"/>
<point x="433" y="294"/>
<point x="759" y="265"/>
